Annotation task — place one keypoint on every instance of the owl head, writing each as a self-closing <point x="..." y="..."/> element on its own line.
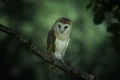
<point x="62" y="26"/>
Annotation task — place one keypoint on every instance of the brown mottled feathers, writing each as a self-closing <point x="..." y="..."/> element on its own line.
<point x="64" y="20"/>
<point x="51" y="36"/>
<point x="51" y="42"/>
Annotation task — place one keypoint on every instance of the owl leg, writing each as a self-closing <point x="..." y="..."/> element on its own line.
<point x="58" y="57"/>
<point x="63" y="61"/>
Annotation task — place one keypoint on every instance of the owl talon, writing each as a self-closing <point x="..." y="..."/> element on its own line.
<point x="59" y="60"/>
<point x="63" y="62"/>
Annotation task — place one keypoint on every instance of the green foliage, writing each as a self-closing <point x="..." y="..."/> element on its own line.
<point x="101" y="10"/>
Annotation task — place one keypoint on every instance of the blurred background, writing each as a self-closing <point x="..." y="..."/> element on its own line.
<point x="93" y="47"/>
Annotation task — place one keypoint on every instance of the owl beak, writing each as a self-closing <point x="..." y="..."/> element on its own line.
<point x="61" y="32"/>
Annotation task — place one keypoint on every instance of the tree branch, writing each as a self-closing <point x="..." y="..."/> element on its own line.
<point x="44" y="56"/>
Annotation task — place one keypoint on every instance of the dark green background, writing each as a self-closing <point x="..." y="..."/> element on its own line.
<point x="89" y="47"/>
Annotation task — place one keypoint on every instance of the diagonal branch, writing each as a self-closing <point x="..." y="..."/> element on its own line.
<point x="44" y="56"/>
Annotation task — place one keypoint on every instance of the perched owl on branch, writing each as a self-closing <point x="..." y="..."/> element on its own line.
<point x="58" y="38"/>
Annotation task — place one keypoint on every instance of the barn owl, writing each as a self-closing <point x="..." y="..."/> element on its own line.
<point x="58" y="38"/>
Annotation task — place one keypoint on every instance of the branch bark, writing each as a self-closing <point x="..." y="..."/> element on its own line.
<point x="44" y="56"/>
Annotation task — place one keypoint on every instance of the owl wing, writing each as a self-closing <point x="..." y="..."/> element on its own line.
<point x="63" y="52"/>
<point x="51" y="42"/>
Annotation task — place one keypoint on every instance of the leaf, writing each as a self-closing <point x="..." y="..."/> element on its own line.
<point x="114" y="28"/>
<point x="89" y="5"/>
<point x="99" y="17"/>
<point x="116" y="15"/>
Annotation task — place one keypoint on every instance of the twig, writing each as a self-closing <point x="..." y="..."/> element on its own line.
<point x="44" y="56"/>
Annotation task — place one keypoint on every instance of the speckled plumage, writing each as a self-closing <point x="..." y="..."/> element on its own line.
<point x="58" y="38"/>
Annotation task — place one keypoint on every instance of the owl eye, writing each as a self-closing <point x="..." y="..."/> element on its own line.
<point x="59" y="26"/>
<point x="65" y="27"/>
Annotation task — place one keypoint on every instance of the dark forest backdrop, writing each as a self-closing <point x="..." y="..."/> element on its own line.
<point x="94" y="45"/>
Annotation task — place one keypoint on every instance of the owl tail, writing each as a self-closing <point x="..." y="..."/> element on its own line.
<point x="52" y="67"/>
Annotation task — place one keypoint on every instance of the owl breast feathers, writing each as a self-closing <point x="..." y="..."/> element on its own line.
<point x="58" y="38"/>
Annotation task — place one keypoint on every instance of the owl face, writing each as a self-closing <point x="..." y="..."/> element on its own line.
<point x="63" y="26"/>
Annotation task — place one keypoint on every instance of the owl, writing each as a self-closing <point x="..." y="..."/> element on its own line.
<point x="58" y="38"/>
